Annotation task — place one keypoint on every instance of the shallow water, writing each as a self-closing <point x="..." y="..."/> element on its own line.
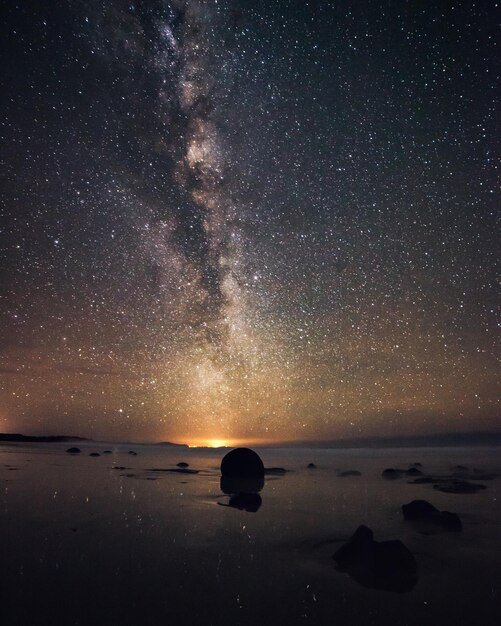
<point x="84" y="543"/>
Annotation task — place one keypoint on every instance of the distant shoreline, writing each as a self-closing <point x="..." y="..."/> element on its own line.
<point x="445" y="440"/>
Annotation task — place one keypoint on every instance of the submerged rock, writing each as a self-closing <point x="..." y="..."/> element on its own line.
<point x="94" y="454"/>
<point x="349" y="473"/>
<point x="106" y="451"/>
<point x="458" y="486"/>
<point x="476" y="474"/>
<point x="242" y="462"/>
<point x="182" y="464"/>
<point x="275" y="471"/>
<point x="132" y="452"/>
<point x="387" y="565"/>
<point x="423" y="480"/>
<point x="424" y="511"/>
<point x="73" y="450"/>
<point x="311" y="466"/>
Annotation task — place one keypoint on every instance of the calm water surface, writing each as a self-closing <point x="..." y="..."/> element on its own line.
<point x="84" y="543"/>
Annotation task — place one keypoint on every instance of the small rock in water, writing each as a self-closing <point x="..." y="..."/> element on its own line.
<point x="182" y="464"/>
<point x="106" y="451"/>
<point x="387" y="565"/>
<point x="391" y="474"/>
<point x="424" y="511"/>
<point x="132" y="452"/>
<point x="94" y="454"/>
<point x="311" y="466"/>
<point x="73" y="450"/>
<point x="349" y="473"/>
<point x="413" y="471"/>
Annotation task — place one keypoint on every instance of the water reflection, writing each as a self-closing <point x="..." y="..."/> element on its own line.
<point x="243" y="492"/>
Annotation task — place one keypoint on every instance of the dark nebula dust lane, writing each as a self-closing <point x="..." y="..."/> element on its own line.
<point x="231" y="221"/>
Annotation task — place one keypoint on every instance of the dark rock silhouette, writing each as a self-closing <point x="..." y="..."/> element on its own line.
<point x="182" y="464"/>
<point x="386" y="565"/>
<point x="132" y="452"/>
<point x="94" y="454"/>
<point x="413" y="471"/>
<point x="73" y="450"/>
<point x="250" y="502"/>
<point x="106" y="451"/>
<point x="458" y="486"/>
<point x="311" y="466"/>
<point x="347" y="473"/>
<point x="424" y="511"/>
<point x="242" y="462"/>
<point x="392" y="474"/>
<point x="242" y="477"/>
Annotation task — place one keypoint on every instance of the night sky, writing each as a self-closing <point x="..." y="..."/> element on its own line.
<point x="248" y="220"/>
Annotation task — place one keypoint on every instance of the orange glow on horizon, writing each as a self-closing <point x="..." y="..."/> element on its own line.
<point x="227" y="443"/>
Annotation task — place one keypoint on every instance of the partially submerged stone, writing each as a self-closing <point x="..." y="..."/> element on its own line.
<point x="387" y="565"/>
<point x="424" y="511"/>
<point x="391" y="474"/>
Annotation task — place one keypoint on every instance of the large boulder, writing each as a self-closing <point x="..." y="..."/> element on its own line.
<point x="387" y="565"/>
<point x="242" y="462"/>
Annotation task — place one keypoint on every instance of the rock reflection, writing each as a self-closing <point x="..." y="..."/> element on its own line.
<point x="243" y="492"/>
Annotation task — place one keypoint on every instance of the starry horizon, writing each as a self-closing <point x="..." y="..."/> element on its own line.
<point x="233" y="221"/>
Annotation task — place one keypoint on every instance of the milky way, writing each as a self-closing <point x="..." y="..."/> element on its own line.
<point x="248" y="221"/>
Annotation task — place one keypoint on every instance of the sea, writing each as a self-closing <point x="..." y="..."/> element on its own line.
<point x="110" y="540"/>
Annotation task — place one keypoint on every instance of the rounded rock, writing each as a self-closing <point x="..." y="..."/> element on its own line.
<point x="242" y="462"/>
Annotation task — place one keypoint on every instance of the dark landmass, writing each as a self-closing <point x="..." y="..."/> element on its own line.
<point x="16" y="437"/>
<point x="446" y="440"/>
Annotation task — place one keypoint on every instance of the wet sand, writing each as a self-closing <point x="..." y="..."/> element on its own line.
<point x="86" y="543"/>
